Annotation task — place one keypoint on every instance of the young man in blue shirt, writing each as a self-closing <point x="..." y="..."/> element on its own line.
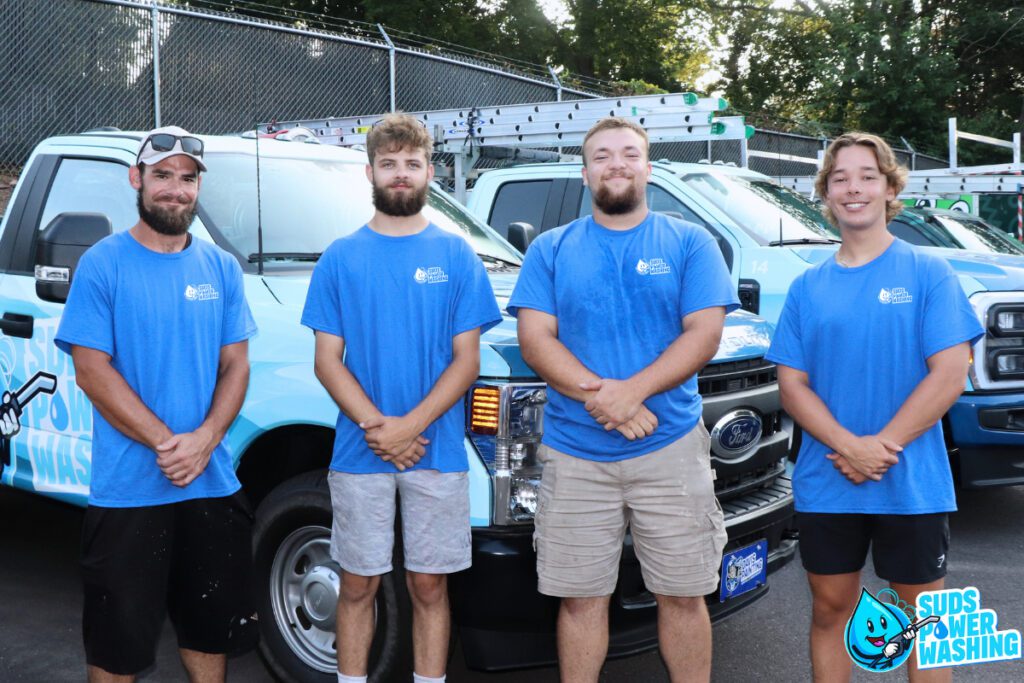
<point x="617" y="313"/>
<point x="398" y="308"/>
<point x="872" y="349"/>
<point x="158" y="327"/>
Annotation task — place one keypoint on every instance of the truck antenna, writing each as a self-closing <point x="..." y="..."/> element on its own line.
<point x="259" y="210"/>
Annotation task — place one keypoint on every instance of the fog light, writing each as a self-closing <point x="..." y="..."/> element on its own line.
<point x="1010" y="321"/>
<point x="1007" y="364"/>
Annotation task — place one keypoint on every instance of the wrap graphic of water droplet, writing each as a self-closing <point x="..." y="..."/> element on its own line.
<point x="873" y="626"/>
<point x="940" y="631"/>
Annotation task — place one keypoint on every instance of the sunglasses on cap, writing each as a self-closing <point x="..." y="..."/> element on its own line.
<point x="165" y="142"/>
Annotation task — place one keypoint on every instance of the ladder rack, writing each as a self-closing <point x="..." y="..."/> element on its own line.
<point x="677" y="117"/>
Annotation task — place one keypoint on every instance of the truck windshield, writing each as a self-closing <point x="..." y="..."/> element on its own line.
<point x="307" y="203"/>
<point x="768" y="212"/>
<point x="977" y="235"/>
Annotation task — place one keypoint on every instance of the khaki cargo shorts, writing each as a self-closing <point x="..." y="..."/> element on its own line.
<point x="665" y="497"/>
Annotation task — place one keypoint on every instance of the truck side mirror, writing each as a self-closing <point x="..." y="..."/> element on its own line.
<point x="59" y="247"/>
<point x="520" y="235"/>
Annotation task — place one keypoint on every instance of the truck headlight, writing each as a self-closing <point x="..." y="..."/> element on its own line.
<point x="1006" y="320"/>
<point x="1007" y="363"/>
<point x="505" y="422"/>
<point x="997" y="361"/>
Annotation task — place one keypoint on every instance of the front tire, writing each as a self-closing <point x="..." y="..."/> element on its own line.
<point x="297" y="588"/>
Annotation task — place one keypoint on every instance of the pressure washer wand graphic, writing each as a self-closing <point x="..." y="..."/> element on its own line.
<point x="897" y="645"/>
<point x="41" y="383"/>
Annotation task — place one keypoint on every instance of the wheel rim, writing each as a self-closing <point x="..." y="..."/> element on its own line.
<point x="300" y="594"/>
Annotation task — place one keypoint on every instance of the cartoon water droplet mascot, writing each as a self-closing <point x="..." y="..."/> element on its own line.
<point x="879" y="635"/>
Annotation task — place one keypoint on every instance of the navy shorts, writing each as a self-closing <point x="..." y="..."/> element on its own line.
<point x="908" y="549"/>
<point x="191" y="560"/>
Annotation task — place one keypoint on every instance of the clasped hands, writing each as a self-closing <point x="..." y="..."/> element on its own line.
<point x="867" y="457"/>
<point x="183" y="457"/>
<point x="617" y="405"/>
<point x="394" y="439"/>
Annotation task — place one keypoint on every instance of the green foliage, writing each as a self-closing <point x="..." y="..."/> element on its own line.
<point x="896" y="67"/>
<point x="635" y="87"/>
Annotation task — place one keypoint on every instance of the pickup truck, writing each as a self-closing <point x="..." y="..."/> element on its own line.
<point x="769" y="235"/>
<point x="74" y="189"/>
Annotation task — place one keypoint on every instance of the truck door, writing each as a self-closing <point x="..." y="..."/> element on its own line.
<point x="49" y="450"/>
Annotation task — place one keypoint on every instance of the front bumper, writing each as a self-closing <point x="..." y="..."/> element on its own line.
<point x="987" y="435"/>
<point x="505" y="623"/>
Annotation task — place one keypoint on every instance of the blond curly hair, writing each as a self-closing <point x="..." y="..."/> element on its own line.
<point x="895" y="174"/>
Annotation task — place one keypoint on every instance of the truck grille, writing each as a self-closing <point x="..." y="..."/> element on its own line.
<point x="774" y="493"/>
<point x="732" y="376"/>
<point x="728" y="488"/>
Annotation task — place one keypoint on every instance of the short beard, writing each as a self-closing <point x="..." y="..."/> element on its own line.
<point x="617" y="204"/>
<point x="163" y="221"/>
<point x="399" y="206"/>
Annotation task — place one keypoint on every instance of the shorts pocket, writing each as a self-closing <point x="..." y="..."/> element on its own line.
<point x="717" y="537"/>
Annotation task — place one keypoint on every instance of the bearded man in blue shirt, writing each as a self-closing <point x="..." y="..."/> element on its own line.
<point x="617" y="312"/>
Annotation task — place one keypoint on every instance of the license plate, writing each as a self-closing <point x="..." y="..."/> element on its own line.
<point x="744" y="570"/>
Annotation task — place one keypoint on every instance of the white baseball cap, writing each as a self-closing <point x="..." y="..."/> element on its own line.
<point x="169" y="141"/>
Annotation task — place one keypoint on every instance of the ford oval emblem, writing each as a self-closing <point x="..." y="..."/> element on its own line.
<point x="736" y="433"/>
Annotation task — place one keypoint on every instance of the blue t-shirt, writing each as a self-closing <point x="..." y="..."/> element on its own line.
<point x="398" y="302"/>
<point x="863" y="336"/>
<point x="163" y="319"/>
<point x="620" y="297"/>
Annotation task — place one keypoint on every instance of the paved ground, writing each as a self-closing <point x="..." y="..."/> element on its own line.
<point x="40" y="605"/>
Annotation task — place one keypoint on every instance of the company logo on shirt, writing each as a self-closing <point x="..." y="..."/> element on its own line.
<point x="431" y="276"/>
<point x="896" y="295"/>
<point x="201" y="293"/>
<point x="654" y="266"/>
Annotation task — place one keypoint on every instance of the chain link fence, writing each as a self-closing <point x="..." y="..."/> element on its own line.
<point x="72" y="65"/>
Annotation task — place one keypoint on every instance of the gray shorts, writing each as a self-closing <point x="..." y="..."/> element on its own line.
<point x="667" y="499"/>
<point x="435" y="521"/>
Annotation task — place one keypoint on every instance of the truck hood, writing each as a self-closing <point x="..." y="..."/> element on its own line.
<point x="979" y="272"/>
<point x="815" y="254"/>
<point x="745" y="335"/>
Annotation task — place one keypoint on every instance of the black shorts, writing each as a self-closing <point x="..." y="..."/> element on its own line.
<point x="191" y="560"/>
<point x="908" y="549"/>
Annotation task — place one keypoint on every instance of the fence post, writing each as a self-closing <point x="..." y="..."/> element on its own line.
<point x="391" y="64"/>
<point x="558" y="84"/>
<point x="156" y="65"/>
<point x="952" y="143"/>
<point x="913" y="153"/>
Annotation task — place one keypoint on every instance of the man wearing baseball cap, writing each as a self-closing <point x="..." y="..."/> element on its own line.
<point x="158" y="327"/>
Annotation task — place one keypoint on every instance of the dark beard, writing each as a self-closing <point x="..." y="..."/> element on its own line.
<point x="164" y="221"/>
<point x="397" y="205"/>
<point x="616" y="205"/>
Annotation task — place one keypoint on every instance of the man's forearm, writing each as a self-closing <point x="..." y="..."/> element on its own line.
<point x="683" y="358"/>
<point x="228" y="396"/>
<point x="449" y="388"/>
<point x="345" y="389"/>
<point x="557" y="366"/>
<point x="119" y="405"/>
<point x="811" y="413"/>
<point x="925" y="406"/>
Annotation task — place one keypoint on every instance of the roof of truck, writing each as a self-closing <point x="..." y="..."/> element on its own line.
<point x="229" y="143"/>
